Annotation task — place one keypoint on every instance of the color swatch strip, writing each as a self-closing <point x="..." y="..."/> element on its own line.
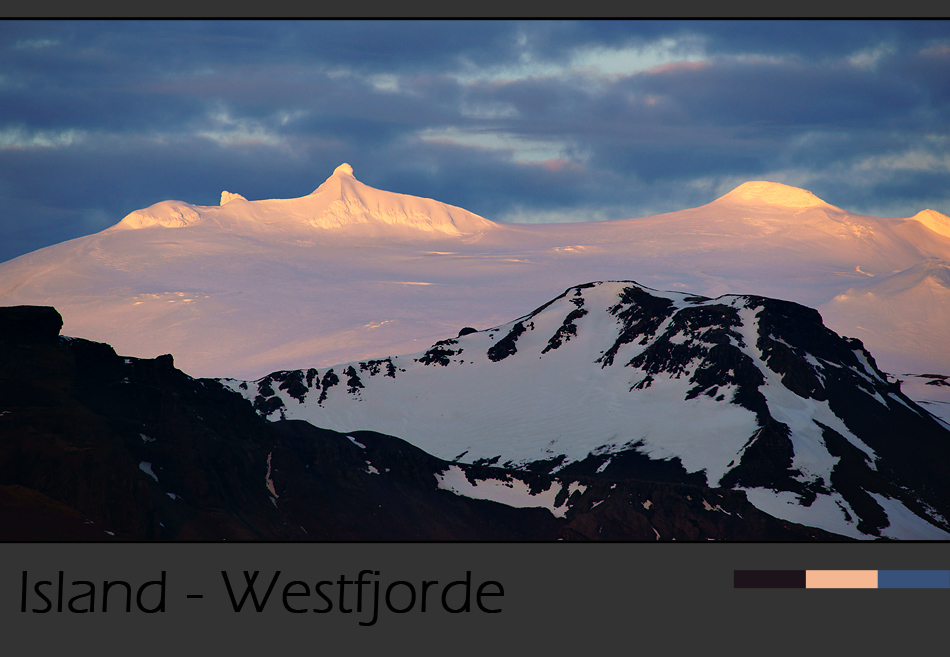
<point x="841" y="579"/>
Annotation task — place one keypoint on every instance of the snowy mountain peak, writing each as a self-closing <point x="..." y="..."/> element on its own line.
<point x="343" y="169"/>
<point x="341" y="204"/>
<point x="342" y="201"/>
<point x="760" y="192"/>
<point x="619" y="380"/>
<point x="227" y="197"/>
<point x="935" y="221"/>
<point x="167" y="214"/>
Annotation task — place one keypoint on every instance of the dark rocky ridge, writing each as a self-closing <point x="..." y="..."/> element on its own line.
<point x="95" y="446"/>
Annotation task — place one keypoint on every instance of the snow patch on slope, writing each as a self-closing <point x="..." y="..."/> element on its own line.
<point x="146" y="467"/>
<point x="269" y="479"/>
<point x="512" y="492"/>
<point x="832" y="513"/>
<point x="905" y="524"/>
<point x="829" y="512"/>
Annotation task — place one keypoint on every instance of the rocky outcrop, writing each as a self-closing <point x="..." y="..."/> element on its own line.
<point x="29" y="324"/>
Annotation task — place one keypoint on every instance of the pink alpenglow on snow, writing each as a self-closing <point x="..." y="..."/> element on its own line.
<point x="352" y="272"/>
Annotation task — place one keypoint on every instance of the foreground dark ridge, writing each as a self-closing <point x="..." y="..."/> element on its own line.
<point x="94" y="446"/>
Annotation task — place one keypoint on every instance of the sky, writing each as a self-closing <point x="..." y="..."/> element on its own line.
<point x="517" y="121"/>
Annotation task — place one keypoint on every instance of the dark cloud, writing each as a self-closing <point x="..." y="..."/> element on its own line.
<point x="604" y="119"/>
<point x="810" y="40"/>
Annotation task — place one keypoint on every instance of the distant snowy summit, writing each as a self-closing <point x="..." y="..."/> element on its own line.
<point x="935" y="221"/>
<point x="777" y="196"/>
<point x="341" y="204"/>
<point x="247" y="287"/>
<point x="763" y="193"/>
